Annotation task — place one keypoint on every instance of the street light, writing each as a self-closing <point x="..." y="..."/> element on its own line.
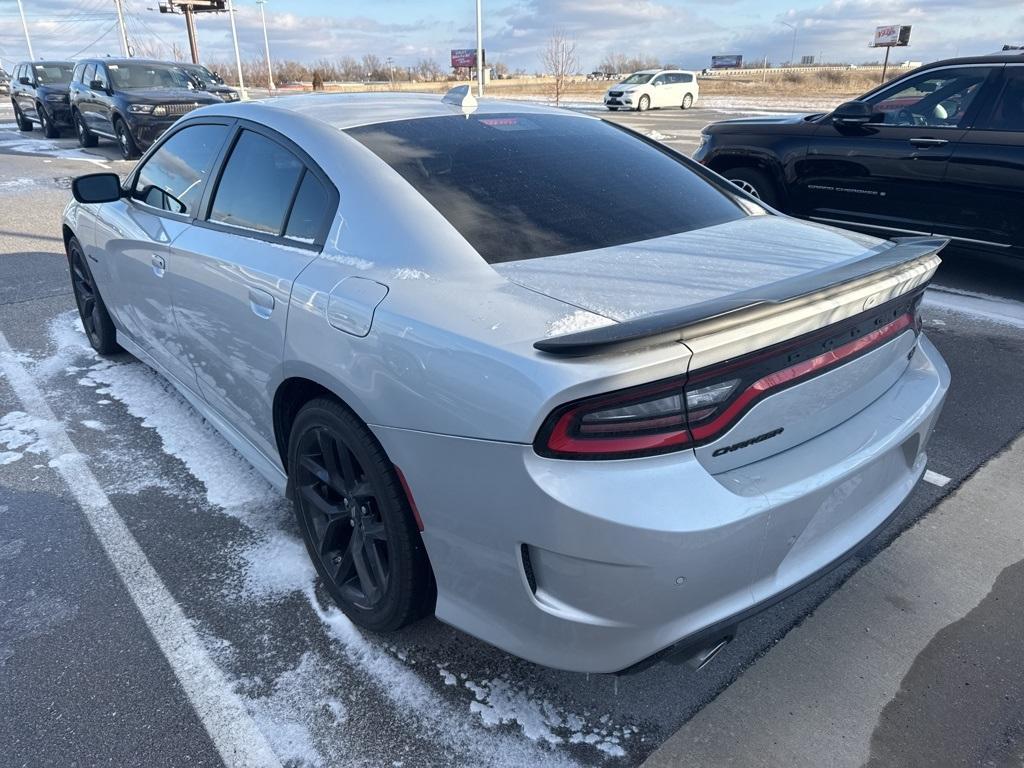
<point x="792" y="54"/>
<point x="479" y="50"/>
<point x="266" y="43"/>
<point x="238" y="55"/>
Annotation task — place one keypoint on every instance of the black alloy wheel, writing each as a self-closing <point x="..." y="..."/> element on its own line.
<point x="96" y="322"/>
<point x="125" y="142"/>
<point x="24" y="124"/>
<point x="86" y="138"/>
<point x="355" y="520"/>
<point x="50" y="130"/>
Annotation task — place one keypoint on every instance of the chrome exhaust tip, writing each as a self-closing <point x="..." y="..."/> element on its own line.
<point x="703" y="657"/>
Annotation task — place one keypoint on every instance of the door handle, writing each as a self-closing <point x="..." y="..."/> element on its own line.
<point x="261" y="303"/>
<point x="928" y="142"/>
<point x="159" y="265"/>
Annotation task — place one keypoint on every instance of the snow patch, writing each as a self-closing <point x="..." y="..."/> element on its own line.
<point x="580" y="320"/>
<point x="99" y="426"/>
<point x="499" y="702"/>
<point x="405" y="273"/>
<point x="348" y="261"/>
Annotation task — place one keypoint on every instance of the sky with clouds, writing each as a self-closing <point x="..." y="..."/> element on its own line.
<point x="684" y="33"/>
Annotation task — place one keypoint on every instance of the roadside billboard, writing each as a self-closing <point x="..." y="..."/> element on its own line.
<point x="892" y="36"/>
<point x="465" y="58"/>
<point x="730" y="61"/>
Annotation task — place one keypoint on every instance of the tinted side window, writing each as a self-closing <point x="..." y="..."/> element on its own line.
<point x="101" y="75"/>
<point x="686" y="78"/>
<point x="90" y="74"/>
<point x="172" y="179"/>
<point x="936" y="99"/>
<point x="79" y="69"/>
<point x="525" y="186"/>
<point x="1007" y="114"/>
<point x="257" y="185"/>
<point x="308" y="211"/>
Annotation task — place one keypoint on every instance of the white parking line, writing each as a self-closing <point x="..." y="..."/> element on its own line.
<point x="936" y="479"/>
<point x="234" y="733"/>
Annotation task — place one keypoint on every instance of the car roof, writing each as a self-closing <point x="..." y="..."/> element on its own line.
<point x="44" y="62"/>
<point x="349" y="110"/>
<point x="1009" y="57"/>
<point x="119" y="61"/>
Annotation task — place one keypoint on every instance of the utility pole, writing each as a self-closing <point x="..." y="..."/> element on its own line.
<point x="792" y="55"/>
<point x="266" y="43"/>
<point x="238" y="55"/>
<point x="190" y="27"/>
<point x="479" y="49"/>
<point x="24" y="26"/>
<point x="120" y="25"/>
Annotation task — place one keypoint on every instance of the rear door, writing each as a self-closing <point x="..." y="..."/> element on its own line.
<point x="263" y="222"/>
<point x="86" y="98"/>
<point x="103" y="115"/>
<point x="889" y="175"/>
<point x="986" y="174"/>
<point x="138" y="232"/>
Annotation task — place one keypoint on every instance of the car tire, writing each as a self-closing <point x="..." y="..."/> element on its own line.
<point x="50" y="130"/>
<point x="644" y="103"/>
<point x="96" y="322"/>
<point x="356" y="519"/>
<point x="125" y="140"/>
<point x="754" y="182"/>
<point x="24" y="124"/>
<point x="86" y="138"/>
<point x="687" y="101"/>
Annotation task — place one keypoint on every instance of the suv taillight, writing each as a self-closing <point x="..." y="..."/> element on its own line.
<point x="687" y="411"/>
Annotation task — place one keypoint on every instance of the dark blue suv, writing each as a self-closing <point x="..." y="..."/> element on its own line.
<point x="132" y="101"/>
<point x="39" y="93"/>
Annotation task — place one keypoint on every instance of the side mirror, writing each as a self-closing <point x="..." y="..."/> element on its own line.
<point x="24" y="81"/>
<point x="97" y="85"/>
<point x="852" y="113"/>
<point x="97" y="188"/>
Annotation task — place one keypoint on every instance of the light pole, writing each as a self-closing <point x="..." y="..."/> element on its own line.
<point x="792" y="54"/>
<point x="266" y="42"/>
<point x="24" y="26"/>
<point x="238" y="56"/>
<point x="479" y="49"/>
<point x="125" y="50"/>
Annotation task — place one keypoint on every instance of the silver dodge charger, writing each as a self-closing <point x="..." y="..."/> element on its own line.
<point x="519" y="367"/>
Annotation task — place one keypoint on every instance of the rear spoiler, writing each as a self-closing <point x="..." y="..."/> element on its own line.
<point x="670" y="325"/>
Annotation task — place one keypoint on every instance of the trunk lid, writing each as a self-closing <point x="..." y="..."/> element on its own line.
<point x="814" y="337"/>
<point x="627" y="281"/>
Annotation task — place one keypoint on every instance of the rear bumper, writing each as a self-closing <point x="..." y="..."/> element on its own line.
<point x="628" y="558"/>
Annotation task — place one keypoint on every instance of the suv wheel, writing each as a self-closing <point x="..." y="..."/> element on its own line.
<point x="24" y="124"/>
<point x="687" y="101"/>
<point x="754" y="183"/>
<point x="50" y="130"/>
<point x="86" y="138"/>
<point x="355" y="519"/>
<point x="125" y="142"/>
<point x="96" y="322"/>
<point x="644" y="103"/>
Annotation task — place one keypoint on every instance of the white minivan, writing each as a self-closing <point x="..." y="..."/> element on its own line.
<point x="653" y="88"/>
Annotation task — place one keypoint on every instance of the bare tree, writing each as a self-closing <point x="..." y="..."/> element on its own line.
<point x="559" y="60"/>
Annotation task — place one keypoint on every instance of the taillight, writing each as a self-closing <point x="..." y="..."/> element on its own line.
<point x="687" y="411"/>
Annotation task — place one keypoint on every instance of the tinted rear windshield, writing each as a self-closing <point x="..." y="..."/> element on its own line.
<point x="524" y="186"/>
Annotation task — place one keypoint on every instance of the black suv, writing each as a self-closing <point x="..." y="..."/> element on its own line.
<point x="210" y="82"/>
<point x="39" y="93"/>
<point x="131" y="101"/>
<point x="937" y="151"/>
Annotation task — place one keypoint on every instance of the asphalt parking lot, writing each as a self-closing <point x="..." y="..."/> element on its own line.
<point x="134" y="544"/>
